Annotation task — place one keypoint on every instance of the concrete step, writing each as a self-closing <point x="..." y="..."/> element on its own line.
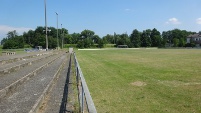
<point x="30" y="92"/>
<point x="14" y="58"/>
<point x="8" y="83"/>
<point x="53" y="100"/>
<point x="11" y="67"/>
<point x="63" y="97"/>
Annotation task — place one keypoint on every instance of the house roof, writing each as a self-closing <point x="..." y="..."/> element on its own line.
<point x="194" y="35"/>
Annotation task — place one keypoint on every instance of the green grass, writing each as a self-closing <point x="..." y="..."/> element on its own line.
<point x="171" y="78"/>
<point x="18" y="51"/>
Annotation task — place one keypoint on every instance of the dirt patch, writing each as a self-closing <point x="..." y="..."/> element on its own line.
<point x="138" y="83"/>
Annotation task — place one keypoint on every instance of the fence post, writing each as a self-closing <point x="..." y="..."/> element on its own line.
<point x="82" y="99"/>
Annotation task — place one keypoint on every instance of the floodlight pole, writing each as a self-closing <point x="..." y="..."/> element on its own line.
<point x="57" y="31"/>
<point x="62" y="32"/>
<point x="46" y="27"/>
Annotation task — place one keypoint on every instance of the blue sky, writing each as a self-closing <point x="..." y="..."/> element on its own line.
<point x="101" y="16"/>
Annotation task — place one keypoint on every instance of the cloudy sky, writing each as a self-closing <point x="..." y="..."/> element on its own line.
<point x="102" y="16"/>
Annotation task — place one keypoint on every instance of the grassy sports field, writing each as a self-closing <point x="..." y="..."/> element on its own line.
<point x="144" y="80"/>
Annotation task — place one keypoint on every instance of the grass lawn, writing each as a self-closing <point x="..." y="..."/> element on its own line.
<point x="143" y="81"/>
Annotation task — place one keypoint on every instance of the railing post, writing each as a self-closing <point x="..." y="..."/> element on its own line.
<point x="82" y="100"/>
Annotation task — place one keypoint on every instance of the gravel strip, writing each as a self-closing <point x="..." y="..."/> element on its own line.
<point x="6" y="80"/>
<point x="27" y="94"/>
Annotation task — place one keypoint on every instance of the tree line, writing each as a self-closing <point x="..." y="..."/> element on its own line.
<point x="88" y="38"/>
<point x="151" y="38"/>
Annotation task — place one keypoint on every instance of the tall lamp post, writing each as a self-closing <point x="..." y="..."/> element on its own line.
<point x="57" y="32"/>
<point x="62" y="32"/>
<point x="46" y="27"/>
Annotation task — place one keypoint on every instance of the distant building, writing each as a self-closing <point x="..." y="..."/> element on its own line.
<point x="196" y="38"/>
<point x="122" y="46"/>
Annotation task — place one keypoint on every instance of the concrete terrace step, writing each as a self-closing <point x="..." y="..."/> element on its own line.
<point x="23" y="59"/>
<point x="11" y="67"/>
<point x="14" y="58"/>
<point x="56" y="96"/>
<point x="27" y="94"/>
<point x="8" y="83"/>
<point x="63" y="97"/>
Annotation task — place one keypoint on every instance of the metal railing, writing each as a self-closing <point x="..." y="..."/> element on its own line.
<point x="85" y="99"/>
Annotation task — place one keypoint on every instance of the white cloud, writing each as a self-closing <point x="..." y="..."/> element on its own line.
<point x="4" y="29"/>
<point x="198" y="21"/>
<point x="128" y="10"/>
<point x="174" y="21"/>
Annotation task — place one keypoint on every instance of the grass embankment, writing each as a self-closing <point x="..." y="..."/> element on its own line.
<point x="1" y="49"/>
<point x="143" y="81"/>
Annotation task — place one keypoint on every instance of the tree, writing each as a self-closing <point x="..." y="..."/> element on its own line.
<point x="88" y="43"/>
<point x="167" y="38"/>
<point x="10" y="44"/>
<point x="176" y="42"/>
<point x="75" y="38"/>
<point x="87" y="33"/>
<point x="3" y="41"/>
<point x="109" y="39"/>
<point x="182" y="43"/>
<point x="14" y="43"/>
<point x="28" y="37"/>
<point x="145" y="38"/>
<point x="80" y="44"/>
<point x="135" y="38"/>
<point x="155" y="38"/>
<point x="52" y="42"/>
<point x="101" y="43"/>
<point x="11" y="34"/>
<point x="68" y="39"/>
<point x="40" y="40"/>
<point x="96" y="39"/>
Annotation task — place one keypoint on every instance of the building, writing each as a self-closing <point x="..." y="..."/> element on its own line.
<point x="122" y="46"/>
<point x="196" y="38"/>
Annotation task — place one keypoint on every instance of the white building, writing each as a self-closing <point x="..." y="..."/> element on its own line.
<point x="196" y="38"/>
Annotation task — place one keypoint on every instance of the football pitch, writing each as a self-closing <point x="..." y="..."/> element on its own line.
<point x="143" y="80"/>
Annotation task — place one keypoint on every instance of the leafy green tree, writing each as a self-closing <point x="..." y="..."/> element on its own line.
<point x="96" y="39"/>
<point x="155" y="38"/>
<point x="12" y="34"/>
<point x="40" y="40"/>
<point x="135" y="38"/>
<point x="145" y="38"/>
<point x="87" y="33"/>
<point x="109" y="39"/>
<point x="88" y="43"/>
<point x="10" y="44"/>
<point x="68" y="39"/>
<point x="176" y="42"/>
<point x="14" y="43"/>
<point x="3" y="41"/>
<point x="174" y="34"/>
<point x="80" y="44"/>
<point x="75" y="38"/>
<point x="29" y="37"/>
<point x="182" y="42"/>
<point x="167" y="38"/>
<point x="101" y="43"/>
<point x="52" y="42"/>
